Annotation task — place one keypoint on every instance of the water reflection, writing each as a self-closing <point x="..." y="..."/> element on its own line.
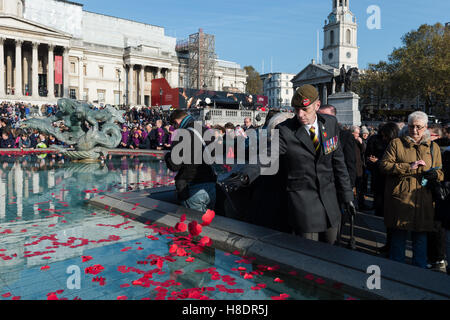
<point x="25" y="181"/>
<point x="45" y="221"/>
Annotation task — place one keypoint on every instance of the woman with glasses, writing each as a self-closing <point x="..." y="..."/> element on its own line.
<point x="409" y="207"/>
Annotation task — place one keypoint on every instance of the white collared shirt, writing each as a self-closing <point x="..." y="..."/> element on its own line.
<point x="316" y="127"/>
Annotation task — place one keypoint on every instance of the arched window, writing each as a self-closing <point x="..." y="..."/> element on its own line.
<point x="331" y="37"/>
<point x="349" y="36"/>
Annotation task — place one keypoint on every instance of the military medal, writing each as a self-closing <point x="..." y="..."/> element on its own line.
<point x="330" y="145"/>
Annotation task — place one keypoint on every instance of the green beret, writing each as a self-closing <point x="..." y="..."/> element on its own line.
<point x="304" y="96"/>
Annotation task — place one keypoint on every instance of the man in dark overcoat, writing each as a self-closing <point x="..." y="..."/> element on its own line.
<point x="317" y="180"/>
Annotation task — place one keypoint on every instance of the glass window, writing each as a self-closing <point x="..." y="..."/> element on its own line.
<point x="73" y="93"/>
<point x="100" y="72"/>
<point x="101" y="96"/>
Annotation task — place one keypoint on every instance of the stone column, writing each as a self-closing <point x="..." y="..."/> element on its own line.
<point x="66" y="71"/>
<point x="325" y="94"/>
<point x="142" y="84"/>
<point x="131" y="85"/>
<point x="9" y="72"/>
<point x="18" y="80"/>
<point x="34" y="70"/>
<point x="51" y="72"/>
<point x="2" y="68"/>
<point x="158" y="73"/>
<point x="168" y="76"/>
<point x="80" y="79"/>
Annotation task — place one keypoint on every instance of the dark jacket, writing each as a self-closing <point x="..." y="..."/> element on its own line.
<point x="189" y="172"/>
<point x="359" y="154"/>
<point x="315" y="184"/>
<point x="24" y="143"/>
<point x="8" y="143"/>
<point x="376" y="146"/>
<point x="153" y="138"/>
<point x="442" y="207"/>
<point x="349" y="149"/>
<point x="33" y="138"/>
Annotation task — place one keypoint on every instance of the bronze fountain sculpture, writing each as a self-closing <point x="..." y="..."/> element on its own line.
<point x="91" y="132"/>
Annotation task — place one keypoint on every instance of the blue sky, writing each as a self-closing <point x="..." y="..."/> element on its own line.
<point x="283" y="33"/>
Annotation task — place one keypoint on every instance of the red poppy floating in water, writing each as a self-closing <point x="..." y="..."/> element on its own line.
<point x="95" y="269"/>
<point x="86" y="258"/>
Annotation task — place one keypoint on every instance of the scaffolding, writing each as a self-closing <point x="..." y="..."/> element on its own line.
<point x="200" y="52"/>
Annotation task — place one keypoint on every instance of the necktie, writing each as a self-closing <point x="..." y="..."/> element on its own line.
<point x="314" y="138"/>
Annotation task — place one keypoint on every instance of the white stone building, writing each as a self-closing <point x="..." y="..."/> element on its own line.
<point x="101" y="59"/>
<point x="278" y="88"/>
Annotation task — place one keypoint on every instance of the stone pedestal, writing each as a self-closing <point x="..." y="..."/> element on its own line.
<point x="347" y="107"/>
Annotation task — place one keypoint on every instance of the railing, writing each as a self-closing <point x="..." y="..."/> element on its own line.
<point x="223" y="116"/>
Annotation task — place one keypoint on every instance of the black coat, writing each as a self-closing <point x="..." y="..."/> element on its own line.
<point x="315" y="184"/>
<point x="376" y="146"/>
<point x="8" y="143"/>
<point x="189" y="172"/>
<point x="348" y="148"/>
<point x="442" y="207"/>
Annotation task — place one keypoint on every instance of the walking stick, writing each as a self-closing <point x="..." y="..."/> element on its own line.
<point x="352" y="243"/>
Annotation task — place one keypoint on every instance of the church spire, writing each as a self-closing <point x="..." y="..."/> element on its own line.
<point x="341" y="5"/>
<point x="340" y="36"/>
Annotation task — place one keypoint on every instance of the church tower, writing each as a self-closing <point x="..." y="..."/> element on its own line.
<point x="340" y="37"/>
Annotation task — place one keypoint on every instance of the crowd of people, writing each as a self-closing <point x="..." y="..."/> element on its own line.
<point x="144" y="128"/>
<point x="394" y="163"/>
<point x="327" y="169"/>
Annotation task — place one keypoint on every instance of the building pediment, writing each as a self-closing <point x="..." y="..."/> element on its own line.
<point x="16" y="24"/>
<point x="315" y="71"/>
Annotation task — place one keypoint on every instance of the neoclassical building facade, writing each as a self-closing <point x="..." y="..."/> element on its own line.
<point x="54" y="48"/>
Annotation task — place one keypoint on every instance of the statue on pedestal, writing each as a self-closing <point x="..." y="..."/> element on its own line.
<point x="345" y="79"/>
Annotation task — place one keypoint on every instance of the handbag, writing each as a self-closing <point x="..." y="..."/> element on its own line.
<point x="439" y="190"/>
